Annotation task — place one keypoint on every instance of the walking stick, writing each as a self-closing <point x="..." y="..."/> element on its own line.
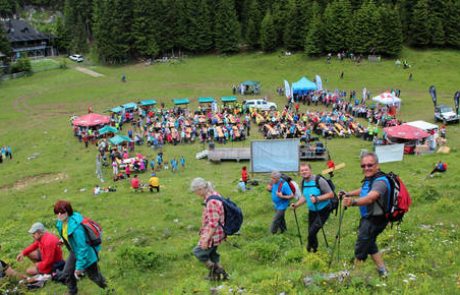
<point x="298" y="229"/>
<point x="337" y="236"/>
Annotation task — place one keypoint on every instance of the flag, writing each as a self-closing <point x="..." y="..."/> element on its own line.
<point x="287" y="89"/>
<point x="319" y="82"/>
<point x="432" y="91"/>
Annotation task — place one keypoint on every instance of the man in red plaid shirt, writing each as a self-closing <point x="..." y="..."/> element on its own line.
<point x="211" y="231"/>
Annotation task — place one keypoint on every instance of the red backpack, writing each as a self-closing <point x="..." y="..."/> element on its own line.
<point x="399" y="199"/>
<point x="93" y="232"/>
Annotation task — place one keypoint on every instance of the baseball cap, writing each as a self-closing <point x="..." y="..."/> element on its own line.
<point x="154" y="174"/>
<point x="35" y="227"/>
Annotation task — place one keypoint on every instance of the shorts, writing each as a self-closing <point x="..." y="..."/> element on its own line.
<point x="369" y="229"/>
<point x="3" y="267"/>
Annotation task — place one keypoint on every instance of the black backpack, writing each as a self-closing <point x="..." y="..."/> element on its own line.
<point x="233" y="215"/>
<point x="335" y="199"/>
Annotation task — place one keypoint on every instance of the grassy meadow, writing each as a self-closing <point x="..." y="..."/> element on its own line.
<point x="148" y="237"/>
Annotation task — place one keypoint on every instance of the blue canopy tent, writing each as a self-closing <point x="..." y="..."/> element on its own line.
<point x="107" y="129"/>
<point x="180" y="101"/>
<point x="226" y="99"/>
<point x="119" y="139"/>
<point x="303" y="86"/>
<point x="206" y="100"/>
<point x="129" y="106"/>
<point x="148" y="102"/>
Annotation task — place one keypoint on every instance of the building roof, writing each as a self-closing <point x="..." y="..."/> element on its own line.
<point x="19" y="30"/>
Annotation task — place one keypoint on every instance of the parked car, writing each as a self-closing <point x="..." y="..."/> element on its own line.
<point x="77" y="57"/>
<point x="445" y="114"/>
<point x="259" y="104"/>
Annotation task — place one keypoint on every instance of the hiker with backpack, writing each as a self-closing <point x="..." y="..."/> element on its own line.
<point x="439" y="167"/>
<point x="373" y="196"/>
<point x="281" y="193"/>
<point x="211" y="232"/>
<point x="317" y="193"/>
<point x="83" y="256"/>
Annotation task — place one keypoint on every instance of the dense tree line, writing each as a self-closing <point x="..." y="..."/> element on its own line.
<point x="119" y="30"/>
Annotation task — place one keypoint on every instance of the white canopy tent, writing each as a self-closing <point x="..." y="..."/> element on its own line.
<point x="387" y="98"/>
<point x="423" y="125"/>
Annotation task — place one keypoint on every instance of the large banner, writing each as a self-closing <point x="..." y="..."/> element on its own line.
<point x="456" y="100"/>
<point x="390" y="153"/>
<point x="319" y="82"/>
<point x="287" y="89"/>
<point x="279" y="154"/>
<point x="432" y="91"/>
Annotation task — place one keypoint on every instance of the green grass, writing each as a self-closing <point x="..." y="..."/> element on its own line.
<point x="148" y="237"/>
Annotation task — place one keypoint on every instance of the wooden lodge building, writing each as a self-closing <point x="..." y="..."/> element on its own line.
<point x="25" y="39"/>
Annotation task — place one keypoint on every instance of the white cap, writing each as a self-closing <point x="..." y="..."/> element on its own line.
<point x="37" y="226"/>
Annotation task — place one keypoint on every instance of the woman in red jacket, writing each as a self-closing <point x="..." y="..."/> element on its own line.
<point x="244" y="175"/>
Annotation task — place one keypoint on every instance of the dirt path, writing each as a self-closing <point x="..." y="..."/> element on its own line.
<point x="89" y="72"/>
<point x="25" y="182"/>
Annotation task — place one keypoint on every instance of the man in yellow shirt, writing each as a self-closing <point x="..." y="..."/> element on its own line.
<point x="154" y="182"/>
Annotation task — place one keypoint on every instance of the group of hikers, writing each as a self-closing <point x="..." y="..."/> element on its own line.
<point x="5" y="153"/>
<point x="46" y="255"/>
<point x="318" y="195"/>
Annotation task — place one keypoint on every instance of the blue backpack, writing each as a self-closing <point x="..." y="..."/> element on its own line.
<point x="233" y="215"/>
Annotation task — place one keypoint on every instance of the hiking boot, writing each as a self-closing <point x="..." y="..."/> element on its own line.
<point x="383" y="273"/>
<point x="220" y="274"/>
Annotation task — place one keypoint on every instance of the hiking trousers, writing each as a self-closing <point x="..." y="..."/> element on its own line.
<point x="209" y="254"/>
<point x="369" y="229"/>
<point x="279" y="222"/>
<point x="316" y="220"/>
<point x="92" y="272"/>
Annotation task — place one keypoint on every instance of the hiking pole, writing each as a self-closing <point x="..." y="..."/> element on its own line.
<point x="322" y="225"/>
<point x="298" y="229"/>
<point x="337" y="236"/>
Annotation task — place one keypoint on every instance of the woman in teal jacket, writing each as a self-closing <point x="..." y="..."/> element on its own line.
<point x="82" y="257"/>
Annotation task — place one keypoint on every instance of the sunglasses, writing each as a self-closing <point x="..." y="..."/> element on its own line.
<point x="367" y="165"/>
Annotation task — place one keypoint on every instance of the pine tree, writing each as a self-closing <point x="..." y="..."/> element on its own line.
<point x="144" y="35"/>
<point x="366" y="29"/>
<point x="268" y="33"/>
<point x="5" y="46"/>
<point x="437" y="32"/>
<point x="294" y="31"/>
<point x="199" y="35"/>
<point x="252" y="35"/>
<point x="451" y="23"/>
<point x="6" y="8"/>
<point x="337" y="21"/>
<point x="314" y="45"/>
<point x="391" y="33"/>
<point x="419" y="27"/>
<point x="62" y="36"/>
<point x="280" y="15"/>
<point x="227" y="28"/>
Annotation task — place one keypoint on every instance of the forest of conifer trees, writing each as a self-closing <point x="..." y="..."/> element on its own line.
<point x="122" y="30"/>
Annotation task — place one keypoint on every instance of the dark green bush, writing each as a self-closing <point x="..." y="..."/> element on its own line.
<point x="21" y="65"/>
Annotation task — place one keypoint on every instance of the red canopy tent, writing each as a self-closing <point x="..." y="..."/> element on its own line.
<point x="91" y="120"/>
<point x="407" y="132"/>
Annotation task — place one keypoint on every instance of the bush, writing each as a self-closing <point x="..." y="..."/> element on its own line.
<point x="21" y="65"/>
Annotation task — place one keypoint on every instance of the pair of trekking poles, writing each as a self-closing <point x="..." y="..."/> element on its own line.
<point x="341" y="213"/>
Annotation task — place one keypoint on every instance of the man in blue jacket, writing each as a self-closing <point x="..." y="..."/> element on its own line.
<point x="281" y="193"/>
<point x="82" y="258"/>
<point x="373" y="197"/>
<point x="318" y="198"/>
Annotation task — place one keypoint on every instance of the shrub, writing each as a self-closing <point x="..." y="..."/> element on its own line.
<point x="21" y="65"/>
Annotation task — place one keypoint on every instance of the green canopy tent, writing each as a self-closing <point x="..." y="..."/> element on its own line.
<point x="129" y="106"/>
<point x="117" y="110"/>
<point x="148" y="102"/>
<point x="107" y="129"/>
<point x="180" y="101"/>
<point x="119" y="139"/>
<point x="206" y="100"/>
<point x="250" y="87"/>
<point x="227" y="99"/>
